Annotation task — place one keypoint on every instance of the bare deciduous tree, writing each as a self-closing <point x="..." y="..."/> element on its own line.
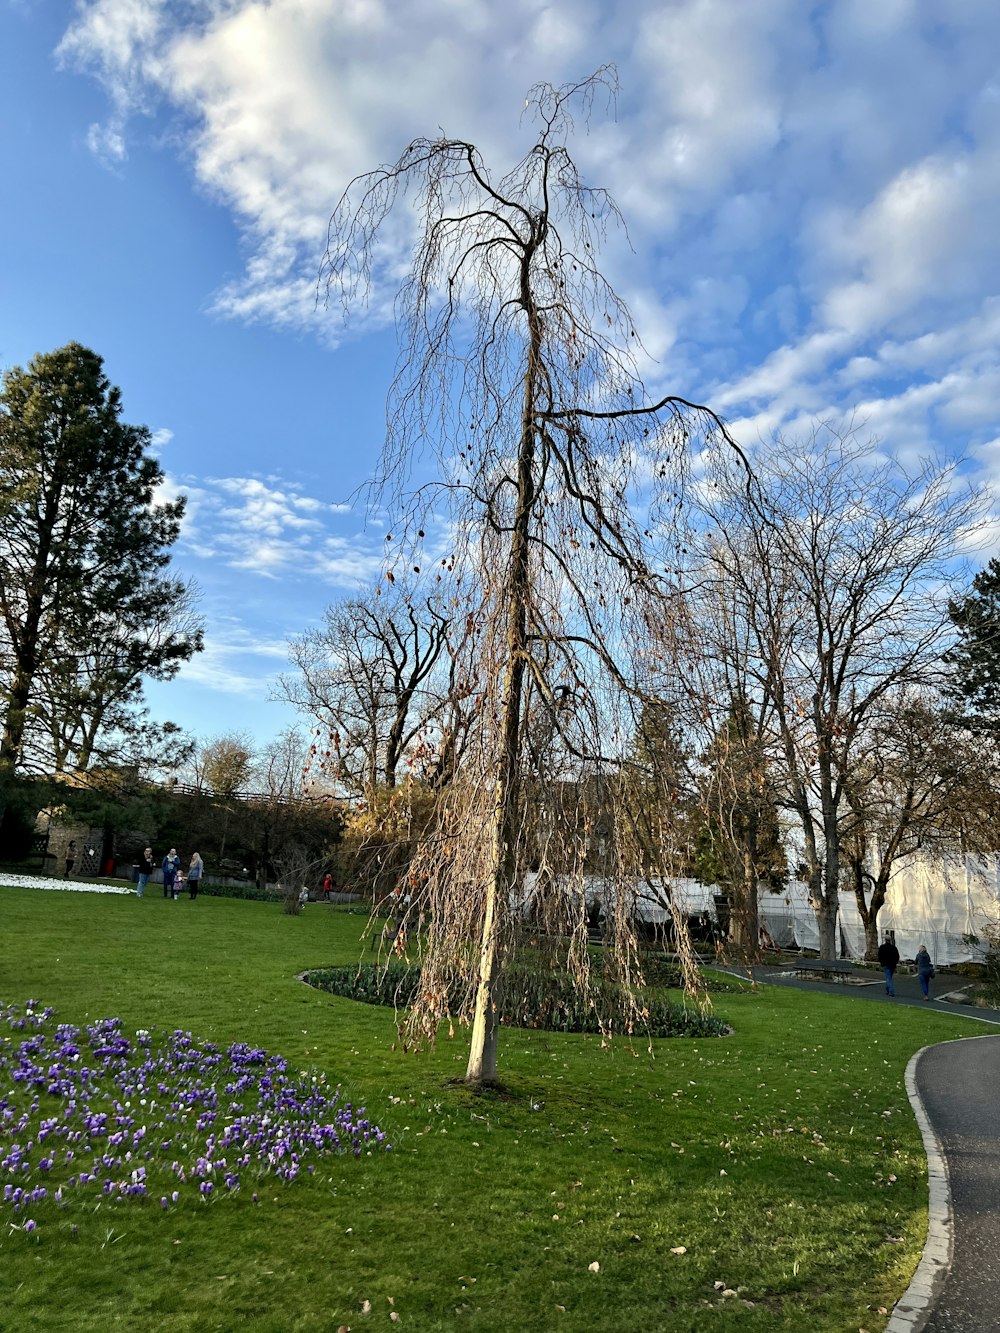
<point x="920" y="785"/>
<point x="382" y="682"/>
<point x="835" y="564"/>
<point x="564" y="478"/>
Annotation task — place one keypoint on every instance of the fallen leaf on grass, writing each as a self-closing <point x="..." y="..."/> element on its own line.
<point x="679" y="1249"/>
<point x="366" y="1307"/>
<point x="395" y="1316"/>
<point x="595" y="1267"/>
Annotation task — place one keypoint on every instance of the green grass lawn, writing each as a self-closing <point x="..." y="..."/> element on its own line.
<point x="782" y="1162"/>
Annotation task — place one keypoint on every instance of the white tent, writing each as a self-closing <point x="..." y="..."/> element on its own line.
<point x="944" y="904"/>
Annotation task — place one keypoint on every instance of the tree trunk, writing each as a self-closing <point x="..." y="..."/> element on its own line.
<point x="829" y="901"/>
<point x="745" y="920"/>
<point x="261" y="875"/>
<point x="26" y="640"/>
<point x="870" y="917"/>
<point x="829" y="944"/>
<point x="826" y="919"/>
<point x="16" y="719"/>
<point x="482" y="1066"/>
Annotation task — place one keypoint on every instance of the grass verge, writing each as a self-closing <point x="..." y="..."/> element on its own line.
<point x="782" y="1161"/>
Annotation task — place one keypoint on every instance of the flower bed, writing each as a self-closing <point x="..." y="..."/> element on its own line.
<point x="87" y="1111"/>
<point x="532" y="1000"/>
<point x="62" y="885"/>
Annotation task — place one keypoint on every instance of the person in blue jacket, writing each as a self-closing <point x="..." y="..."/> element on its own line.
<point x="171" y="865"/>
<point x="925" y="970"/>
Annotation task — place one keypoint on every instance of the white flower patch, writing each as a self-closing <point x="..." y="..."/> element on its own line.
<point x="62" y="885"/>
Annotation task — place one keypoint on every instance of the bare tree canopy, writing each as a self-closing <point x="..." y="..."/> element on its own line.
<point x="564" y="480"/>
<point x="382" y="682"/>
<point x="919" y="784"/>
<point x="224" y="764"/>
<point x="830" y="578"/>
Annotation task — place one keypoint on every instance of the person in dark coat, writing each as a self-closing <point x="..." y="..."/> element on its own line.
<point x="925" y="970"/>
<point x="145" y="870"/>
<point x="888" y="957"/>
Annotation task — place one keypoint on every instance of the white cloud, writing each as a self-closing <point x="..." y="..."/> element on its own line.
<point x="232" y="661"/>
<point x="811" y="189"/>
<point x="268" y="528"/>
<point x="159" y="439"/>
<point x="929" y="235"/>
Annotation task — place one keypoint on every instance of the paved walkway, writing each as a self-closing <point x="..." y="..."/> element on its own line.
<point x="957" y="1083"/>
<point x="955" y="1091"/>
<point x="871" y="987"/>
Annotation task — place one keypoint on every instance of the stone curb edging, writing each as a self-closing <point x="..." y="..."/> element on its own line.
<point x="916" y="1305"/>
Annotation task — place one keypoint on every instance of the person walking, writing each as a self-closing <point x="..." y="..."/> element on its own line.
<point x="925" y="970"/>
<point x="195" y="871"/>
<point x="145" y="870"/>
<point x="888" y="957"/>
<point x="327" y="886"/>
<point x="171" y="865"/>
<point x="70" y="858"/>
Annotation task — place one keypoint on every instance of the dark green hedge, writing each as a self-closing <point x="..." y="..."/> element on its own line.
<point x="531" y="1000"/>
<point x="249" y="891"/>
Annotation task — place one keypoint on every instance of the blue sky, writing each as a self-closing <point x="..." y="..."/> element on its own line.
<point x="811" y="189"/>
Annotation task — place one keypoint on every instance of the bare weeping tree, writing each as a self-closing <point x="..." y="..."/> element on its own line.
<point x="563" y="480"/>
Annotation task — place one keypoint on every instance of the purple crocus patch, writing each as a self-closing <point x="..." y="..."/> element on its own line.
<point x="92" y="1111"/>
